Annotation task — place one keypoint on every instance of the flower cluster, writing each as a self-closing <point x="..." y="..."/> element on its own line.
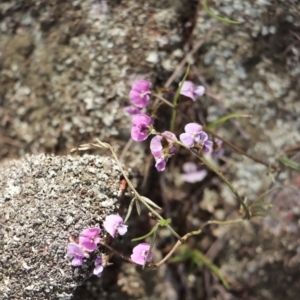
<point x="88" y="240"/>
<point x="195" y="137"/>
<point x="141" y="123"/>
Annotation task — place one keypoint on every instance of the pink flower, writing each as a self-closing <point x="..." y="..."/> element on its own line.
<point x="140" y="93"/>
<point x="191" y="174"/>
<point x="75" y="252"/>
<point x="140" y="127"/>
<point x="89" y="238"/>
<point x="140" y="253"/>
<point x="99" y="266"/>
<point x="189" y="90"/>
<point x="194" y="135"/>
<point x="114" y="224"/>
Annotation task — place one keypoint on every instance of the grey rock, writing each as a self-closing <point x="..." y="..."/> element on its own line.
<point x="45" y="201"/>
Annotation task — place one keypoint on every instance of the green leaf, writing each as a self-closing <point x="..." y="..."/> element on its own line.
<point x="207" y="9"/>
<point x="289" y="163"/>
<point x="199" y="258"/>
<point x="146" y="235"/>
<point x="261" y="211"/>
<point x="226" y="118"/>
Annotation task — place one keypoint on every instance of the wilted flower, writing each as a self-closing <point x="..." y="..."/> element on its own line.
<point x="191" y="174"/>
<point x="89" y="238"/>
<point x="140" y="93"/>
<point x="99" y="266"/>
<point x="189" y="90"/>
<point x="75" y="252"/>
<point x="140" y="127"/>
<point x="161" y="151"/>
<point x="140" y="253"/>
<point x="114" y="224"/>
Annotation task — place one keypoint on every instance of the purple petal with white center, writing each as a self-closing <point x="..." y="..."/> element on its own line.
<point x="140" y="252"/>
<point x="89" y="238"/>
<point x="186" y="139"/>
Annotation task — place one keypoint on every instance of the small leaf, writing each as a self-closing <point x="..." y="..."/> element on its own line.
<point x="129" y="210"/>
<point x="200" y="257"/>
<point x="261" y="211"/>
<point x="226" y="118"/>
<point x="207" y="9"/>
<point x="150" y="202"/>
<point x="289" y="163"/>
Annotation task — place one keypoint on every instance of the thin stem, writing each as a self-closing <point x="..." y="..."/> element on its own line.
<point x="188" y="235"/>
<point x="175" y="100"/>
<point x="219" y="173"/>
<point x="115" y="251"/>
<point x="137" y="195"/>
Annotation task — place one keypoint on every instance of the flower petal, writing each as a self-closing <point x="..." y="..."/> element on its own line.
<point x="189" y="167"/>
<point x="155" y="144"/>
<point x="199" y="90"/>
<point x="192" y="128"/>
<point x="194" y="177"/>
<point x="122" y="229"/>
<point x="186" y="139"/>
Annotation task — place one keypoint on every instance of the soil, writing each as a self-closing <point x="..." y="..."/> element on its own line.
<point x="65" y="72"/>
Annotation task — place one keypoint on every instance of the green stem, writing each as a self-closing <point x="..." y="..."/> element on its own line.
<point x="219" y="173"/>
<point x="137" y="195"/>
<point x="175" y="100"/>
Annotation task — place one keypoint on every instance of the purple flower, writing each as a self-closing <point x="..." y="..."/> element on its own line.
<point x="192" y="135"/>
<point x="132" y="110"/>
<point x="89" y="238"/>
<point x="140" y="93"/>
<point x="75" y="252"/>
<point x="99" y="266"/>
<point x="206" y="144"/>
<point x="195" y="136"/>
<point x="162" y="153"/>
<point x="114" y="224"/>
<point x="191" y="174"/>
<point x="189" y="90"/>
<point x="140" y="127"/>
<point x="140" y="252"/>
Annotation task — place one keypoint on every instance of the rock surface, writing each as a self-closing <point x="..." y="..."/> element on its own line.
<point x="45" y="202"/>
